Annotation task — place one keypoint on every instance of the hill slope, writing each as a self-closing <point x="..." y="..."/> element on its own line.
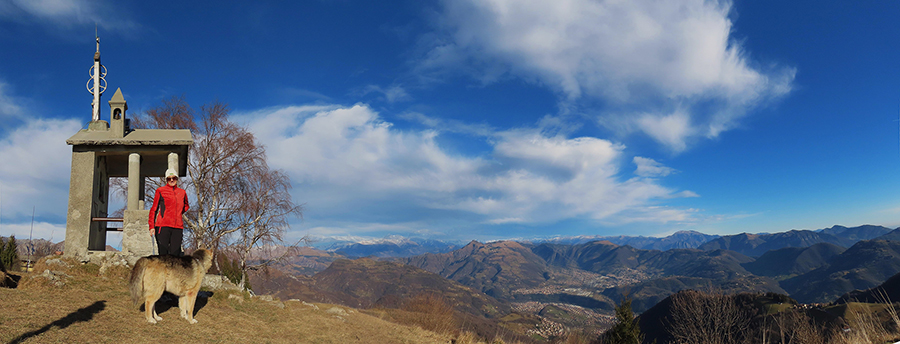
<point x="605" y="258"/>
<point x="87" y="308"/>
<point x="892" y="235"/>
<point x="793" y="260"/>
<point x="887" y="292"/>
<point x="862" y="266"/>
<point x="756" y="245"/>
<point x="366" y="283"/>
<point x="856" y="234"/>
<point x="494" y="268"/>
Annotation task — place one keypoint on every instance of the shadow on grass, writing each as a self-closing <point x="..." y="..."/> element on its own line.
<point x="11" y="281"/>
<point x="82" y="315"/>
<point x="169" y="300"/>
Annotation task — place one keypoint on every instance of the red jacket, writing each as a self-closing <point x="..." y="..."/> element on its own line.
<point x="171" y="203"/>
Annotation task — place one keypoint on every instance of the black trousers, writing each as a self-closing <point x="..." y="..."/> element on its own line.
<point x="169" y="241"/>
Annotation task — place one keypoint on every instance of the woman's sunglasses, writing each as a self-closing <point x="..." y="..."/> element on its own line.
<point x="168" y="179"/>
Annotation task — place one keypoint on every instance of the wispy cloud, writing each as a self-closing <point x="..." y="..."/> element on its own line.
<point x="647" y="167"/>
<point x="343" y="158"/>
<point x="67" y="13"/>
<point x="293" y="93"/>
<point x="448" y="125"/>
<point x="668" y="69"/>
<point x="9" y="105"/>
<point x="390" y="94"/>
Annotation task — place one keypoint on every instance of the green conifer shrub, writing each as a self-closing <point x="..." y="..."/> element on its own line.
<point x="626" y="330"/>
<point x="9" y="255"/>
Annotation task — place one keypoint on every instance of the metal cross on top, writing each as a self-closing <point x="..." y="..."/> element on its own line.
<point x="98" y="77"/>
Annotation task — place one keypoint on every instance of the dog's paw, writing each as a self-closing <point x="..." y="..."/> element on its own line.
<point x="192" y="321"/>
<point x="157" y="317"/>
<point x="151" y="320"/>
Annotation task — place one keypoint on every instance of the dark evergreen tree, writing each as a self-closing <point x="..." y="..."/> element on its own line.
<point x="9" y="255"/>
<point x="626" y="330"/>
<point x="2" y="255"/>
<point x="231" y="268"/>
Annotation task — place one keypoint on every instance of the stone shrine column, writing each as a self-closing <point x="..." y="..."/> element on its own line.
<point x="173" y="162"/>
<point x="134" y="181"/>
<point x="137" y="239"/>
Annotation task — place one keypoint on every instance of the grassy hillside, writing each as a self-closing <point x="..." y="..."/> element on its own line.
<point x="79" y="304"/>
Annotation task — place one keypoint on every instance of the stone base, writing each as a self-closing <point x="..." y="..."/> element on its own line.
<point x="136" y="236"/>
<point x="99" y="125"/>
<point x="218" y="282"/>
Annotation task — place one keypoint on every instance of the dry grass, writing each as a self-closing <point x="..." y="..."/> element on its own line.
<point x="866" y="324"/>
<point x="95" y="308"/>
<point x="433" y="312"/>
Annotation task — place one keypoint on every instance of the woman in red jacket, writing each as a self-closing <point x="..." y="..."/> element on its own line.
<point x="169" y="203"/>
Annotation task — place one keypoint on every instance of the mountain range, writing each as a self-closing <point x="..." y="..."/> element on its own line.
<point x="681" y="239"/>
<point x="753" y="245"/>
<point x="520" y="280"/>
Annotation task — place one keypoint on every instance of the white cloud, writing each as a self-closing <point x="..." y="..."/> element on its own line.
<point x="352" y="147"/>
<point x="628" y="54"/>
<point x="670" y="129"/>
<point x="348" y="158"/>
<point x="448" y="125"/>
<point x="36" y="169"/>
<point x="647" y="167"/>
<point x="357" y="174"/>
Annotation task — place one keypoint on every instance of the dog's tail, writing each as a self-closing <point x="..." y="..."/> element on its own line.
<point x="136" y="282"/>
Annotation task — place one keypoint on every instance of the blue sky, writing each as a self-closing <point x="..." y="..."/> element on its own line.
<point x="489" y="119"/>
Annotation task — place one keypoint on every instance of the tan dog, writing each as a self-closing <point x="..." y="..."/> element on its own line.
<point x="181" y="276"/>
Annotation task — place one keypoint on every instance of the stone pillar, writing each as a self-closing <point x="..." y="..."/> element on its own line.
<point x="78" y="219"/>
<point x="137" y="239"/>
<point x="173" y="162"/>
<point x="134" y="181"/>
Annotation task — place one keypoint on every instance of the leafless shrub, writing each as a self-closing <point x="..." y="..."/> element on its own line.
<point x="792" y="326"/>
<point x="708" y="318"/>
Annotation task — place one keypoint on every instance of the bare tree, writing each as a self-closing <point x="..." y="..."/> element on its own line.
<point x="264" y="215"/>
<point x="237" y="199"/>
<point x="224" y="159"/>
<point x="707" y="318"/>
